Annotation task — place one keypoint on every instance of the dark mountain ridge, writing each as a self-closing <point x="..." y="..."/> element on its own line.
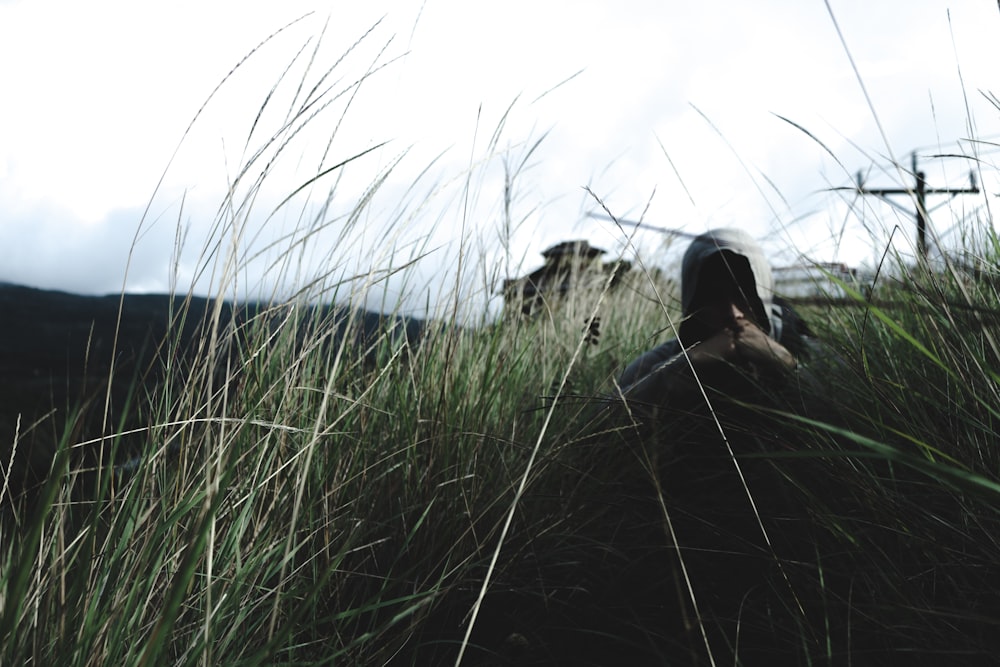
<point x="58" y="351"/>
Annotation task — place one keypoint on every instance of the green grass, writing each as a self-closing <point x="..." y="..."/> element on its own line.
<point x="317" y="507"/>
<point x="302" y="502"/>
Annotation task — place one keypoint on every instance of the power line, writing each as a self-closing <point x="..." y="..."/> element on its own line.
<point x="643" y="225"/>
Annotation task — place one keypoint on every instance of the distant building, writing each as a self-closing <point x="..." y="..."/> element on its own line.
<point x="816" y="281"/>
<point x="568" y="265"/>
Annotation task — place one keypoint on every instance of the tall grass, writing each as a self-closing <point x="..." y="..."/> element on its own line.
<point x="304" y="498"/>
<point x="311" y="505"/>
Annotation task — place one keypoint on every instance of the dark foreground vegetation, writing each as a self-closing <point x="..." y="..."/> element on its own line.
<point x="296" y="504"/>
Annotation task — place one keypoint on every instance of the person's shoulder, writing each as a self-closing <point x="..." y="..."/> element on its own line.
<point x="796" y="336"/>
<point x="647" y="361"/>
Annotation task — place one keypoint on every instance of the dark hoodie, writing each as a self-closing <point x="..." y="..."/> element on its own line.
<point x="718" y="255"/>
<point x="710" y="447"/>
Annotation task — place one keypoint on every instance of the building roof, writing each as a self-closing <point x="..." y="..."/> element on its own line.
<point x="579" y="248"/>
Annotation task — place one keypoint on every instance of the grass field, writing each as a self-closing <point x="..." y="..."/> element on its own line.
<point x="474" y="498"/>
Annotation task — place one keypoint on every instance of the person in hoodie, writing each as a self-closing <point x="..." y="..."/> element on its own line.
<point x="734" y="335"/>
<point x="693" y="407"/>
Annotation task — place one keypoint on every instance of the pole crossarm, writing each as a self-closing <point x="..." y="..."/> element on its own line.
<point x="912" y="191"/>
<point x="920" y="192"/>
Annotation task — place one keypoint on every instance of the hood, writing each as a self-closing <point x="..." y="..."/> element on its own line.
<point x="737" y="242"/>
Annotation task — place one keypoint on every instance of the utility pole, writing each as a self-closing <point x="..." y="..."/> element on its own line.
<point x="920" y="191"/>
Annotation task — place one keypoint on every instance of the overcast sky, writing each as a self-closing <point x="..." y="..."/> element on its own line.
<point x="667" y="110"/>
